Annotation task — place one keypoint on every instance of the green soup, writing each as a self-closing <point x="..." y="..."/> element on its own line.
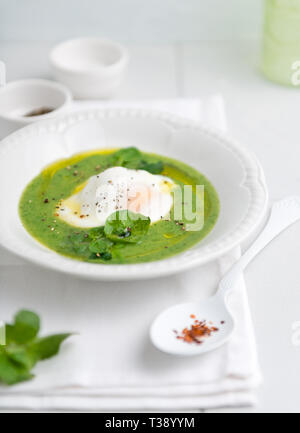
<point x="165" y="238"/>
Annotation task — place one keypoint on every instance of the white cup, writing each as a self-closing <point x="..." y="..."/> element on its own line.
<point x="91" y="68"/>
<point x="23" y="102"/>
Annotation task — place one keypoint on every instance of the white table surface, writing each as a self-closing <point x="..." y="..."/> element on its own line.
<point x="263" y="116"/>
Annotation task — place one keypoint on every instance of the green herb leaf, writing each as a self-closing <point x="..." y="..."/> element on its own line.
<point x="97" y="232"/>
<point x="11" y="372"/>
<point x="126" y="226"/>
<point x="24" y="329"/>
<point x="24" y="349"/>
<point x="101" y="256"/>
<point x="106" y="256"/>
<point x="154" y="168"/>
<point x="47" y="347"/>
<point x="131" y="157"/>
<point x="100" y="246"/>
<point x="21" y="356"/>
<point x="126" y="156"/>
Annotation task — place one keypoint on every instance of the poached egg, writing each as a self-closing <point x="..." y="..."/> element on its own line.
<point x="116" y="189"/>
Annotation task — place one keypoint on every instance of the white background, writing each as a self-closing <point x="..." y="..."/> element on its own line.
<point x="177" y="50"/>
<point x="130" y="20"/>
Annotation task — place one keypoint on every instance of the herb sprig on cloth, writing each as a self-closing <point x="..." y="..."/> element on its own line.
<point x="24" y="348"/>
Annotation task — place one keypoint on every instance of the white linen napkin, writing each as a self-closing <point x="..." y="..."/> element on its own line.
<point x="111" y="364"/>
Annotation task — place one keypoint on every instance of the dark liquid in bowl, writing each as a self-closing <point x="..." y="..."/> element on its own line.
<point x="39" y="112"/>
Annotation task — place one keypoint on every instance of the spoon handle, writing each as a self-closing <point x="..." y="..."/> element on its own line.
<point x="284" y="213"/>
<point x="2" y="74"/>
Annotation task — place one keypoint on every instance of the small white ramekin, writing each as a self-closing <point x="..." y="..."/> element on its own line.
<point x="91" y="68"/>
<point x="19" y="98"/>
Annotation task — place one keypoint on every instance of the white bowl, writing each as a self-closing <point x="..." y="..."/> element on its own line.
<point x="92" y="68"/>
<point x="18" y="98"/>
<point x="234" y="171"/>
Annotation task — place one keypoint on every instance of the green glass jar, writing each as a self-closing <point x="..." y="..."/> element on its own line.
<point x="281" y="45"/>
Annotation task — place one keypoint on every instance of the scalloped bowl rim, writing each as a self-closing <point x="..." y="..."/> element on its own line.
<point x="175" y="264"/>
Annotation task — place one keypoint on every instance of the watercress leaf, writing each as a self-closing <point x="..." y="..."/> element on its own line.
<point x="100" y="246"/>
<point x="154" y="167"/>
<point x="127" y="155"/>
<point x="126" y="226"/>
<point x="132" y="165"/>
<point x="12" y="372"/>
<point x="21" y="356"/>
<point x="25" y="328"/>
<point x="132" y="158"/>
<point x="97" y="232"/>
<point x="106" y="256"/>
<point x="103" y="256"/>
<point x="9" y="333"/>
<point x="24" y="349"/>
<point x="47" y="347"/>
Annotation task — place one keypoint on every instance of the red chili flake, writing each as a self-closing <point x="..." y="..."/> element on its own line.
<point x="197" y="332"/>
<point x="46" y="200"/>
<point x="222" y="323"/>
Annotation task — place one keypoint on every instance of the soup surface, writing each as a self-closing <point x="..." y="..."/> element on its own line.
<point x="58" y="207"/>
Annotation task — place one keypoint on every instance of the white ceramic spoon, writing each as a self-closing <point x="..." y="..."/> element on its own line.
<point x="283" y="214"/>
<point x="2" y="74"/>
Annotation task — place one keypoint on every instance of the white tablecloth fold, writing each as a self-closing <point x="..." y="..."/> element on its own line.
<point x="111" y="364"/>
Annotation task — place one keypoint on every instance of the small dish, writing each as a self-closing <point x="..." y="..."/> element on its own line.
<point x="234" y="171"/>
<point x="27" y="101"/>
<point x="92" y="68"/>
